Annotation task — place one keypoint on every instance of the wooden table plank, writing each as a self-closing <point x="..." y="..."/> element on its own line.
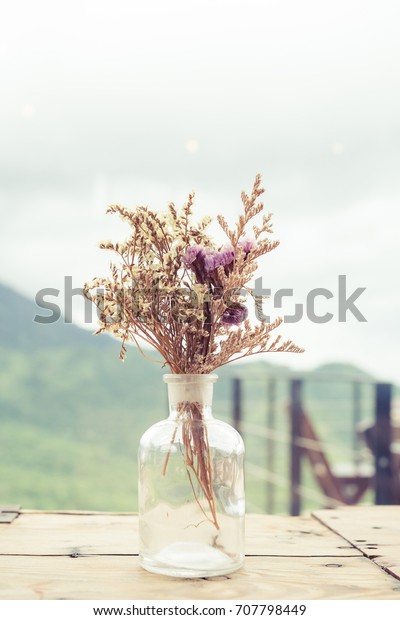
<point x="93" y="556"/>
<point x="40" y="533"/>
<point x="263" y="578"/>
<point x="9" y="512"/>
<point x="374" y="530"/>
<point x="70" y="534"/>
<point x="289" y="536"/>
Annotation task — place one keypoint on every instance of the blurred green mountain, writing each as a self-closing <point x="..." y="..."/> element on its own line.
<point x="18" y="329"/>
<point x="71" y="414"/>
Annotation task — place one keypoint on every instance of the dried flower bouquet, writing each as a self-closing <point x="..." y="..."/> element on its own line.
<point x="178" y="291"/>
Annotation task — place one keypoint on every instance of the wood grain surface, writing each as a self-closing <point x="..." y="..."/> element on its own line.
<point x="93" y="556"/>
<point x="46" y="533"/>
<point x="374" y="530"/>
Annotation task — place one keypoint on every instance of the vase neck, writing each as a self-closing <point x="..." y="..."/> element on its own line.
<point x="190" y="395"/>
<point x="190" y="410"/>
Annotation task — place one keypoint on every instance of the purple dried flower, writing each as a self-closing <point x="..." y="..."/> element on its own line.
<point x="212" y="259"/>
<point x="205" y="260"/>
<point x="200" y="259"/>
<point x="191" y="254"/>
<point x="208" y="259"/>
<point x="225" y="256"/>
<point x="235" y="314"/>
<point x="247" y="245"/>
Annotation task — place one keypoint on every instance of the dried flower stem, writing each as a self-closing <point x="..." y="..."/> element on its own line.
<point x="197" y="455"/>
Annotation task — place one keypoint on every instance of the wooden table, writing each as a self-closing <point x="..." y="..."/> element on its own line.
<point x="348" y="553"/>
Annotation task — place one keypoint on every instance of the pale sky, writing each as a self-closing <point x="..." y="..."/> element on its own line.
<point x="136" y="102"/>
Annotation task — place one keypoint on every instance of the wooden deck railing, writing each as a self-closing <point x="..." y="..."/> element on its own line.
<point x="302" y="443"/>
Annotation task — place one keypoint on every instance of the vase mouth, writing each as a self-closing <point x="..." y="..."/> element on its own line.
<point x="190" y="378"/>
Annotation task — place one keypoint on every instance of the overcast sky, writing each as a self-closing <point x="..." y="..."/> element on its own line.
<point x="136" y="102"/>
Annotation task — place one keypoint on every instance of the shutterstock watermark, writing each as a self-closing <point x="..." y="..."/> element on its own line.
<point x="343" y="304"/>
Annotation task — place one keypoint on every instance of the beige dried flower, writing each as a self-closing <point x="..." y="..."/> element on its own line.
<point x="181" y="293"/>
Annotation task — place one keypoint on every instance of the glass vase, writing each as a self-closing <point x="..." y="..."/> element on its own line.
<point x="191" y="486"/>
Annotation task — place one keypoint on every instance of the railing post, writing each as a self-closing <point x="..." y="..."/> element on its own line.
<point x="270" y="444"/>
<point x="356" y="421"/>
<point x="295" y="450"/>
<point x="383" y="440"/>
<point x="237" y="403"/>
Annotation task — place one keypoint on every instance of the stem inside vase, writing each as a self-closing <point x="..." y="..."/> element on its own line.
<point x="196" y="454"/>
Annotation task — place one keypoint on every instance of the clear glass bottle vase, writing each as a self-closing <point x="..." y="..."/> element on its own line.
<point x="191" y="487"/>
